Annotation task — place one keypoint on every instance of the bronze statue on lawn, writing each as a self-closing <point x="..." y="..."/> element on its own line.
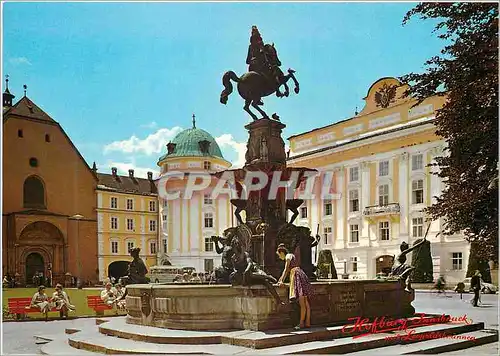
<point x="264" y="77"/>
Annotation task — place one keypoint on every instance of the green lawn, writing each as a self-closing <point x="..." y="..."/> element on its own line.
<point x="78" y="298"/>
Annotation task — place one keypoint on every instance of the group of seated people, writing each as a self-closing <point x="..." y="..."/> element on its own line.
<point x="59" y="300"/>
<point x="114" y="296"/>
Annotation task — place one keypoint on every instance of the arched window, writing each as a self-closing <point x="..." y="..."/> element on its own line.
<point x="34" y="193"/>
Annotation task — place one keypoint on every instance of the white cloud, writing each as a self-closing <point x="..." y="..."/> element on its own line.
<point x="123" y="167"/>
<point x="19" y="61"/>
<point x="153" y="144"/>
<point x="226" y="140"/>
<point x="151" y="125"/>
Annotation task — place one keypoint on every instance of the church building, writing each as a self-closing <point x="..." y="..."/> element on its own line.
<point x="49" y="221"/>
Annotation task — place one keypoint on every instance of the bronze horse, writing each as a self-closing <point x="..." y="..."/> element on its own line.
<point x="253" y="86"/>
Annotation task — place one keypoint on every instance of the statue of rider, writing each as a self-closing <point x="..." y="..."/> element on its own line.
<point x="256" y="57"/>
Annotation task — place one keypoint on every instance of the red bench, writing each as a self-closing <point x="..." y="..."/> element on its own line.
<point x="20" y="306"/>
<point x="97" y="304"/>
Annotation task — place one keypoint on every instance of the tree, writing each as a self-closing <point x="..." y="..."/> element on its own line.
<point x="326" y="264"/>
<point x="421" y="259"/>
<point x="478" y="264"/>
<point x="466" y="73"/>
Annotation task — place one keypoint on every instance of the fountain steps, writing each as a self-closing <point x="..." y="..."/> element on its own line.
<point x="117" y="337"/>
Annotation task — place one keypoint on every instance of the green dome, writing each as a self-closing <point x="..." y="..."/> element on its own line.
<point x="187" y="144"/>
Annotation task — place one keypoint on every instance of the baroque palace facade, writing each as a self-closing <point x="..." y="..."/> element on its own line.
<point x="380" y="158"/>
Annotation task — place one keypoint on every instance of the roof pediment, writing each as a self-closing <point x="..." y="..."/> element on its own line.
<point x="384" y="93"/>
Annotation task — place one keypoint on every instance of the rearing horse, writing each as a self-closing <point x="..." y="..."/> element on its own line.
<point x="253" y="86"/>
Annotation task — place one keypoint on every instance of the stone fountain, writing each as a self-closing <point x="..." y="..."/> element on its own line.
<point x="250" y="305"/>
<point x="249" y="302"/>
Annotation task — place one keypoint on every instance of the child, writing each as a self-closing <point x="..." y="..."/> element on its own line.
<point x="300" y="287"/>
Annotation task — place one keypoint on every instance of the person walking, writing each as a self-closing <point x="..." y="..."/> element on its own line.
<point x="475" y="283"/>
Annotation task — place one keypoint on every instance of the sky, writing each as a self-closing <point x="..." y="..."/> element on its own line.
<point x="123" y="79"/>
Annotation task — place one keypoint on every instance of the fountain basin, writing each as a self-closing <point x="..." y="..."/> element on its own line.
<point x="224" y="307"/>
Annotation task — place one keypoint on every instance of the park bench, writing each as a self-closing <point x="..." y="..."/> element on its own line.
<point x="20" y="306"/>
<point x="97" y="304"/>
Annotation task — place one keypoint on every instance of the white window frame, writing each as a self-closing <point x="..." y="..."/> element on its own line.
<point x="207" y="242"/>
<point x="152" y="225"/>
<point x="354" y="263"/>
<point x="131" y="205"/>
<point x="207" y="165"/>
<point x="207" y="199"/>
<point x="352" y="199"/>
<point x="384" y="226"/>
<point x="205" y="264"/>
<point x="165" y="244"/>
<point x="207" y="218"/>
<point x="383" y="163"/>
<point x="111" y="223"/>
<point x="386" y="197"/>
<point x="115" y="199"/>
<point x="325" y="212"/>
<point x="354" y="174"/>
<point x="327" y="235"/>
<point x="417" y="227"/>
<point x="151" y="243"/>
<point x="414" y="191"/>
<point x="133" y="224"/>
<point x="152" y="206"/>
<point x="417" y="162"/>
<point x="116" y="243"/>
<point x="353" y="232"/>
<point x="127" y="243"/>
<point x="459" y="258"/>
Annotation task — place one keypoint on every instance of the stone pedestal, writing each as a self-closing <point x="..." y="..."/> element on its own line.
<point x="222" y="307"/>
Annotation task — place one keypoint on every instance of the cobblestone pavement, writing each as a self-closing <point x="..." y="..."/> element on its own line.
<point x="18" y="336"/>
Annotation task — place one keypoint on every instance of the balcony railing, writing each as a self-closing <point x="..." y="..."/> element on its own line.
<point x="388" y="209"/>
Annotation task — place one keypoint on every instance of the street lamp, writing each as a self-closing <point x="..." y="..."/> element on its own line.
<point x="78" y="217"/>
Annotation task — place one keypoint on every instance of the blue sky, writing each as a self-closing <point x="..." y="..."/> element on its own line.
<point x="123" y="78"/>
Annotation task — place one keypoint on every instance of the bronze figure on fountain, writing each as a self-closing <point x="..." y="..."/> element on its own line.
<point x="263" y="78"/>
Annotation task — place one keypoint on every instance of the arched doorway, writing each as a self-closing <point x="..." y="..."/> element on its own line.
<point x="384" y="264"/>
<point x="34" y="264"/>
<point x="117" y="269"/>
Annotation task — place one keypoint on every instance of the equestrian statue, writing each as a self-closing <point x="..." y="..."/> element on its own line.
<point x="264" y="77"/>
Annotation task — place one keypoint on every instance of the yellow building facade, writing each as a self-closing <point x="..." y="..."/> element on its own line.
<point x="380" y="162"/>
<point x="127" y="217"/>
